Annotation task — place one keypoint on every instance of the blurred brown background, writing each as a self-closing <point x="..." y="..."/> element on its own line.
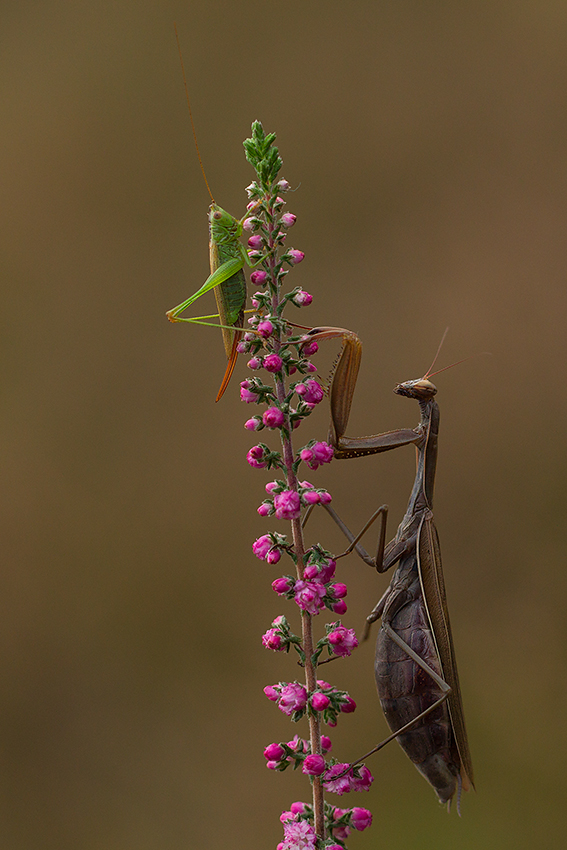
<point x="430" y="142"/>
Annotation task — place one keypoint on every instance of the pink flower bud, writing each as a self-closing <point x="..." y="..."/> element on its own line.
<point x="242" y="347"/>
<point x="262" y="546"/>
<point x="311" y="498"/>
<point x="360" y="818"/>
<point x="248" y="224"/>
<point x="283" y="585"/>
<point x="326" y="744"/>
<point x="283" y="185"/>
<point x="339" y="590"/>
<point x="287" y="505"/>
<point x="320" y="701"/>
<point x="274" y="752"/>
<point x="258" y="277"/>
<point x="293" y="697"/>
<point x="325" y="498"/>
<point x="245" y="394"/>
<point x="340" y="607"/>
<point x="273" y="363"/>
<point x="311" y="571"/>
<point x="349" y="706"/>
<point x="249" y="189"/>
<point x="254" y="363"/>
<point x="342" y="641"/>
<point x="327" y="571"/>
<point x="265" y="328"/>
<point x="273" y="640"/>
<point x="272" y="693"/>
<point x="273" y="418"/>
<point x="310" y="348"/>
<point x="288" y="219"/>
<point x="295" y="256"/>
<point x="255" y="457"/>
<point x="256" y="305"/>
<point x="312" y="393"/>
<point x="264" y="509"/>
<point x="273" y="556"/>
<point x="253" y="424"/>
<point x="313" y="765"/>
<point x="298" y="808"/>
<point x="255" y="241"/>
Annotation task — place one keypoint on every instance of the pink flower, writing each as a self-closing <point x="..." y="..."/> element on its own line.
<point x="245" y="394"/>
<point x="312" y="393"/>
<point x="293" y="697"/>
<point x="299" y="835"/>
<point x="271" y="486"/>
<point x="325" y="498"/>
<point x="303" y="299"/>
<point x="288" y="219"/>
<point x="287" y="505"/>
<point x="273" y="363"/>
<point x="362" y="782"/>
<point x="323" y="451"/>
<point x="361" y="818"/>
<point x="295" y="256"/>
<point x="283" y="585"/>
<point x="255" y="363"/>
<point x="248" y="224"/>
<point x="337" y="786"/>
<point x="273" y="640"/>
<point x="255" y="457"/>
<point x="326" y="743"/>
<point x="309" y="596"/>
<point x="258" y="277"/>
<point x="342" y="641"/>
<point x="313" y="765"/>
<point x="265" y="328"/>
<point x="262" y="546"/>
<point x="273" y="418"/>
<point x="283" y="185"/>
<point x="264" y="509"/>
<point x="320" y="701"/>
<point x="339" y="607"/>
<point x="274" y="752"/>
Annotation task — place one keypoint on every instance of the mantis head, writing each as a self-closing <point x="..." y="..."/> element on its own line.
<point x="421" y="389"/>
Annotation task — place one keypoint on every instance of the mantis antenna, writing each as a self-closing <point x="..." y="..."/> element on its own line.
<point x="191" y="114"/>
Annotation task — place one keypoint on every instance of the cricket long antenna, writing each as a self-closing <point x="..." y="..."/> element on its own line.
<point x="191" y="114"/>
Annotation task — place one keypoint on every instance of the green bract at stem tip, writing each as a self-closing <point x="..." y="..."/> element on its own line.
<point x="263" y="155"/>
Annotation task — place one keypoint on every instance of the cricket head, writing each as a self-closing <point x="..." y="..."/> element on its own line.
<point x="421" y="389"/>
<point x="221" y="222"/>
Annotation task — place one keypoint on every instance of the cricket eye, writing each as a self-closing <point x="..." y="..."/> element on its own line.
<point x="217" y="215"/>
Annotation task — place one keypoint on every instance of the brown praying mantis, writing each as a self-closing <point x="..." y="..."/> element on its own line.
<point x="415" y="665"/>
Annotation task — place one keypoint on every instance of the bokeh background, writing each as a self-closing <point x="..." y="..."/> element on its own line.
<point x="429" y="145"/>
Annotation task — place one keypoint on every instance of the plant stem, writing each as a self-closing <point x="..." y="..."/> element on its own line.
<point x="299" y="549"/>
